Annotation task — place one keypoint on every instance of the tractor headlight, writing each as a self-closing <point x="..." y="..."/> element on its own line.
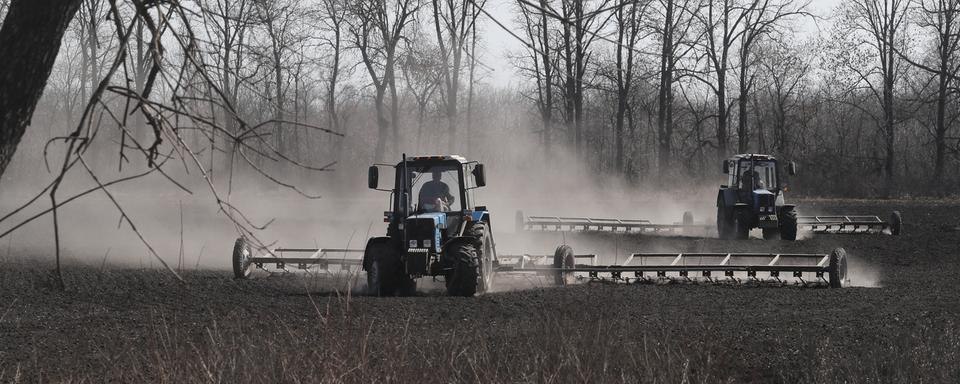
<point x="413" y="243"/>
<point x="426" y="243"/>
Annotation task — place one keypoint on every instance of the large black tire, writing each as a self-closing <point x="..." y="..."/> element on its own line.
<point x="563" y="258"/>
<point x="896" y="223"/>
<point x="385" y="274"/>
<point x="741" y="224"/>
<point x="838" y="268"/>
<point x="771" y="233"/>
<point x="465" y="277"/>
<point x="724" y="224"/>
<point x="241" y="255"/>
<point x="788" y="225"/>
<point x="485" y="254"/>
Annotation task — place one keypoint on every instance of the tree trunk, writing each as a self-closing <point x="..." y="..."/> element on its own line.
<point x="665" y="96"/>
<point x="29" y="42"/>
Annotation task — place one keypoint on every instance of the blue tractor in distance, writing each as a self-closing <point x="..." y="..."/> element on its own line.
<point x="435" y="228"/>
<point x="753" y="198"/>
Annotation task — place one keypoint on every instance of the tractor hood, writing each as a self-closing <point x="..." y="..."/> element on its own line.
<point x="439" y="218"/>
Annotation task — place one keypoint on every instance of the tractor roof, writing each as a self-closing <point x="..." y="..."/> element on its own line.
<point x="753" y="156"/>
<point x="438" y="158"/>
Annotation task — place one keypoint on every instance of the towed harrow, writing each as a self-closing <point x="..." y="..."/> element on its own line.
<point x="564" y="267"/>
<point x="836" y="224"/>
<point x="588" y="224"/>
<point x="852" y="224"/>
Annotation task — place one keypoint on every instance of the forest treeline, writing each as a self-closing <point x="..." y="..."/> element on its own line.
<point x="649" y="91"/>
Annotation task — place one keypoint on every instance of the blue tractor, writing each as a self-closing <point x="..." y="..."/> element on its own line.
<point x="435" y="228"/>
<point x="753" y="198"/>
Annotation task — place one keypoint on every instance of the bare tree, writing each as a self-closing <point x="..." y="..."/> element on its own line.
<point x="30" y="39"/>
<point x="881" y="22"/>
<point x="628" y="16"/>
<point x="377" y="30"/>
<point x="677" y="20"/>
<point x="541" y="65"/>
<point x="421" y="67"/>
<point x="763" y="18"/>
<point x="942" y="18"/>
<point x="453" y="21"/>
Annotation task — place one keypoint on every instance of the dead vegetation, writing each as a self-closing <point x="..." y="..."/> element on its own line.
<point x="140" y="325"/>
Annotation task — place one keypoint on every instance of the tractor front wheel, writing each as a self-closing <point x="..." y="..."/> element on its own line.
<point x="385" y="274"/>
<point x="771" y="233"/>
<point x="741" y="224"/>
<point x="724" y="224"/>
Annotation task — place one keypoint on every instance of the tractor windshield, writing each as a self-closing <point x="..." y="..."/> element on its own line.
<point x="435" y="188"/>
<point x="763" y="175"/>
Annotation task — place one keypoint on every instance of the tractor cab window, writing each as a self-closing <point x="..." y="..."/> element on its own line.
<point x="763" y="175"/>
<point x="435" y="188"/>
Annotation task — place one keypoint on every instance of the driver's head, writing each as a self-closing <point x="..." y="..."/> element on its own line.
<point x="436" y="174"/>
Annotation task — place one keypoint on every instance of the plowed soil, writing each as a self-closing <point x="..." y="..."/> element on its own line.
<point x="900" y="323"/>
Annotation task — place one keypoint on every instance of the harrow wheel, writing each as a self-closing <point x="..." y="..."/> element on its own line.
<point x="896" y="223"/>
<point x="241" y="256"/>
<point x="563" y="258"/>
<point x="838" y="268"/>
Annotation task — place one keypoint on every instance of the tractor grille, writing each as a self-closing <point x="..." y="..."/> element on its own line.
<point x="766" y="202"/>
<point x="420" y="229"/>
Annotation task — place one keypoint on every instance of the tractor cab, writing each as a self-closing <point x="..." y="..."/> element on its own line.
<point x="753" y="197"/>
<point x="433" y="216"/>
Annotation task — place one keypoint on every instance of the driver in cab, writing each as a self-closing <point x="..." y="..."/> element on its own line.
<point x="435" y="195"/>
<point x="750" y="180"/>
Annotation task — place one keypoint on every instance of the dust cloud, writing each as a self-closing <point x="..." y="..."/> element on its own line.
<point x="188" y="230"/>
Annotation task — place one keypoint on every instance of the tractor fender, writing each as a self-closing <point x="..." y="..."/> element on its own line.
<point x="727" y="197"/>
<point x="367" y="257"/>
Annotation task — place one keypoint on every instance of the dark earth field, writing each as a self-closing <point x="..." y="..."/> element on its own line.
<point x="139" y="325"/>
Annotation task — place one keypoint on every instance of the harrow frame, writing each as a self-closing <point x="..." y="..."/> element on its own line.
<point x="851" y="224"/>
<point x="589" y="224"/>
<point x="828" y="269"/>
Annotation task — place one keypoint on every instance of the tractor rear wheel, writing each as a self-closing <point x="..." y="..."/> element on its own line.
<point x="465" y="277"/>
<point x="485" y="254"/>
<point x="788" y="225"/>
<point x="563" y="258"/>
<point x="741" y="224"/>
<point x="838" y="268"/>
<point x="241" y="255"/>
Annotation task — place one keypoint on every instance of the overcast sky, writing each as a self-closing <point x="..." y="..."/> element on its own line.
<point x="498" y="43"/>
